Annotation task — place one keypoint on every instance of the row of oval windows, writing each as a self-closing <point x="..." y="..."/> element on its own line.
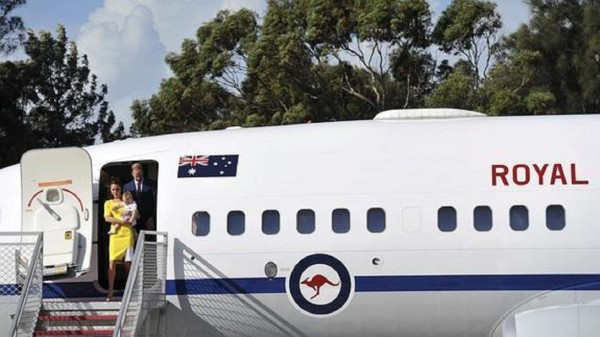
<point x="376" y="221"/>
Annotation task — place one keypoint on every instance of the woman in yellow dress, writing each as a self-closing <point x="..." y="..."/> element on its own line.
<point x="120" y="244"/>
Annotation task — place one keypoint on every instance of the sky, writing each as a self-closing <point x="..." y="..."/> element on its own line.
<point x="127" y="40"/>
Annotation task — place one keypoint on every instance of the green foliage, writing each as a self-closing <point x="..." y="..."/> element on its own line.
<point x="504" y="102"/>
<point x="52" y="99"/>
<point x="399" y="22"/>
<point x="327" y="60"/>
<point x="207" y="85"/>
<point x="509" y="82"/>
<point x="455" y="91"/>
<point x="68" y="106"/>
<point x="14" y="94"/>
<point x="539" y="102"/>
<point x="588" y="61"/>
<point x="565" y="37"/>
<point x="469" y="28"/>
<point x="12" y="31"/>
<point x="317" y="60"/>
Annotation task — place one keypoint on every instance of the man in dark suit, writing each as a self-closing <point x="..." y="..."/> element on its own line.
<point x="144" y="194"/>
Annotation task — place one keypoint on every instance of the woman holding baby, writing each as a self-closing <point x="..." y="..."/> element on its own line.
<point x="121" y="241"/>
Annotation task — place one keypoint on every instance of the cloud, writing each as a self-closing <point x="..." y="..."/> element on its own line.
<point x="127" y="40"/>
<point x="125" y="52"/>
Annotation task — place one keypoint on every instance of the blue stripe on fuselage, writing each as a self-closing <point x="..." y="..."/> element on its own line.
<point x="477" y="283"/>
<point x="263" y="285"/>
<point x="396" y="284"/>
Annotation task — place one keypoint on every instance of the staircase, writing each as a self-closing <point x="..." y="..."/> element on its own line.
<point x="145" y="293"/>
<point x="77" y="318"/>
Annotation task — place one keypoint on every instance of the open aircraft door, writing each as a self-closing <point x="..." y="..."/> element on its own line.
<point x="56" y="187"/>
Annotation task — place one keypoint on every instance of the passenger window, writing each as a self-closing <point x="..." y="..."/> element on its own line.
<point x="482" y="218"/>
<point x="236" y="223"/>
<point x="270" y="222"/>
<point x="376" y="220"/>
<point x="447" y="219"/>
<point x="555" y="217"/>
<point x="340" y="220"/>
<point x="519" y="218"/>
<point x="305" y="221"/>
<point x="201" y="223"/>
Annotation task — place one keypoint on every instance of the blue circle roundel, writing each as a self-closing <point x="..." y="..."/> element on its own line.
<point x="320" y="284"/>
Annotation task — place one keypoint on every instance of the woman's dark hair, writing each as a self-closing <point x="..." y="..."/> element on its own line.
<point x="113" y="181"/>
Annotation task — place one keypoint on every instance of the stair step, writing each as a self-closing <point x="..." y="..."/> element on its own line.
<point x="74" y="332"/>
<point x="80" y="306"/>
<point x="77" y="317"/>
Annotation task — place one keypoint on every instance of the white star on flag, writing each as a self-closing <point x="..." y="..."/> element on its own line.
<point x="192" y="171"/>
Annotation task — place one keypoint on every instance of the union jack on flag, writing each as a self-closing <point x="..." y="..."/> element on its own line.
<point x="199" y="166"/>
<point x="193" y="160"/>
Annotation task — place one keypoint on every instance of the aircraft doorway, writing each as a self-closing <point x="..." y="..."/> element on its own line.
<point x="122" y="172"/>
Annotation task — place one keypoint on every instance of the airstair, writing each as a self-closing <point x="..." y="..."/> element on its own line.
<point x="20" y="281"/>
<point x="144" y="296"/>
<point x="145" y="291"/>
<point x="77" y="318"/>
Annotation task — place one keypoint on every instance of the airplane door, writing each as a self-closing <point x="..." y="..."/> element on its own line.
<point x="56" y="194"/>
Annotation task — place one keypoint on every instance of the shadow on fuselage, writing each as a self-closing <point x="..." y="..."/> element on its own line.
<point x="209" y="295"/>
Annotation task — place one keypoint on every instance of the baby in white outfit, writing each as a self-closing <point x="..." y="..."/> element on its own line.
<point x="128" y="214"/>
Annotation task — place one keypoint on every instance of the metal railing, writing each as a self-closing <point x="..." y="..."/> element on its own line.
<point x="146" y="284"/>
<point x="27" y="268"/>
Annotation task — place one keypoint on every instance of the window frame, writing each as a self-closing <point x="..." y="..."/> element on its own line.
<point x="278" y="225"/>
<point x="440" y="223"/>
<point x="229" y="223"/>
<point x="369" y="226"/>
<point x="314" y="224"/>
<point x="514" y="208"/>
<point x="564" y="217"/>
<point x="491" y="218"/>
<point x="195" y="225"/>
<point x="346" y="226"/>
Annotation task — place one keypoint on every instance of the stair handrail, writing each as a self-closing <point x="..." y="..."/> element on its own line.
<point x="135" y="283"/>
<point x="35" y="261"/>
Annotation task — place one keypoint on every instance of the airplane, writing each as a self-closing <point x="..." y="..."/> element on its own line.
<point x="424" y="222"/>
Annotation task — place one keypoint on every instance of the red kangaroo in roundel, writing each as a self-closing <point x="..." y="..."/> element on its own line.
<point x="317" y="282"/>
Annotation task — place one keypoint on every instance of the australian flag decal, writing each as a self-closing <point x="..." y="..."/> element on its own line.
<point x="207" y="166"/>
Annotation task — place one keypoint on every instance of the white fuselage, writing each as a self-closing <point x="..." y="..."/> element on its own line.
<point x="412" y="278"/>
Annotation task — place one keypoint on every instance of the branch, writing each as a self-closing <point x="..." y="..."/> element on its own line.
<point x="407" y="91"/>
<point x="353" y="92"/>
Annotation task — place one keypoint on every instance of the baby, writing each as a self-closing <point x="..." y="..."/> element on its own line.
<point x="128" y="213"/>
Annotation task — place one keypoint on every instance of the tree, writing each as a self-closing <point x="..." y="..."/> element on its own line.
<point x="511" y="83"/>
<point x="14" y="94"/>
<point x="52" y="99"/>
<point x="456" y="90"/>
<point x="316" y="60"/>
<point x="469" y="28"/>
<point x="207" y="85"/>
<point x="386" y="40"/>
<point x="68" y="108"/>
<point x="12" y="31"/>
<point x="588" y="61"/>
<point x="552" y="63"/>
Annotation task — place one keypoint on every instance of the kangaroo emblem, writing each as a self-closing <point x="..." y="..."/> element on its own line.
<point x="317" y="282"/>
